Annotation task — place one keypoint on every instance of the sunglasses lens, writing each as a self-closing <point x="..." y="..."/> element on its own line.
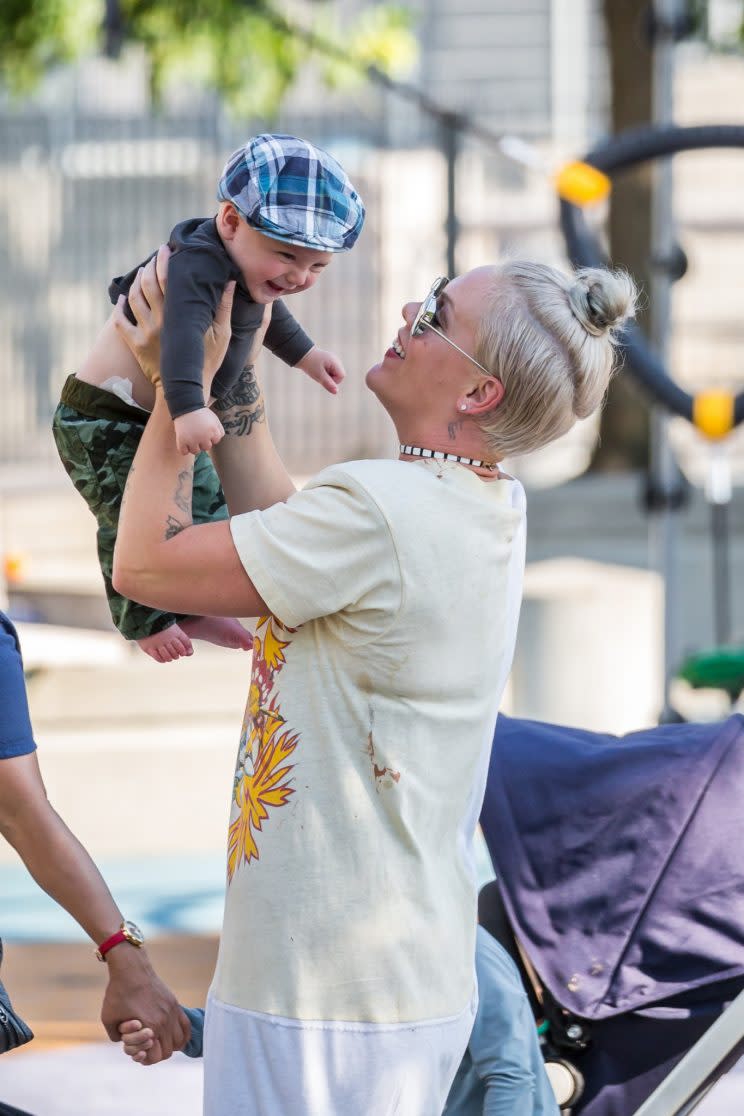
<point x="428" y="308"/>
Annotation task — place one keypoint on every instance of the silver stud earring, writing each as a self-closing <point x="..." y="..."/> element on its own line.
<point x="463" y="406"/>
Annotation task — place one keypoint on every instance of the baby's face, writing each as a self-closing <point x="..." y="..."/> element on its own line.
<point x="271" y="268"/>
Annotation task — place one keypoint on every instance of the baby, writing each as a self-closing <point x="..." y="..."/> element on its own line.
<point x="286" y="207"/>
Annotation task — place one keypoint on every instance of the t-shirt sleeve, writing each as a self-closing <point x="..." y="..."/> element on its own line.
<point x="16" y="736"/>
<point x="327" y="550"/>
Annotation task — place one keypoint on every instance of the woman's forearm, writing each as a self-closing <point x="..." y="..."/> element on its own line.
<point x="251" y="472"/>
<point x="156" y="505"/>
<point x="52" y="854"/>
<point x="161" y="559"/>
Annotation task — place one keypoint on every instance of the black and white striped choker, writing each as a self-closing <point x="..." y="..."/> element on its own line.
<point x="440" y="455"/>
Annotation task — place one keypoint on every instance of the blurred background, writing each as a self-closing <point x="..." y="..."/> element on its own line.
<point x="116" y="117"/>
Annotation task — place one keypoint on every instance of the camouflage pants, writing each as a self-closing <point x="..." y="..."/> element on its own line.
<point x="97" y="435"/>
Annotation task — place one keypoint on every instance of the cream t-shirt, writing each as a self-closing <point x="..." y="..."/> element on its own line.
<point x="394" y="589"/>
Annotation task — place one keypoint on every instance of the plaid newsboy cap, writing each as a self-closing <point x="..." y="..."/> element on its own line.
<point x="293" y="191"/>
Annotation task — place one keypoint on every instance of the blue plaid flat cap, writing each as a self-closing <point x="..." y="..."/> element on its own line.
<point x="293" y="191"/>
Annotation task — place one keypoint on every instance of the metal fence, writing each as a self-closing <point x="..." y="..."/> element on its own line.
<point x="84" y="197"/>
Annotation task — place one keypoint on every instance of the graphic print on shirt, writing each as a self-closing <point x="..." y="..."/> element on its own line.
<point x="263" y="775"/>
<point x="385" y="777"/>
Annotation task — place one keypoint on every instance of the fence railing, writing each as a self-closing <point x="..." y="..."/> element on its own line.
<point x="84" y="198"/>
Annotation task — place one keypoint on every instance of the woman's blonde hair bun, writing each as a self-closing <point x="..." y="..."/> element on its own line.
<point x="551" y="340"/>
<point x="602" y="300"/>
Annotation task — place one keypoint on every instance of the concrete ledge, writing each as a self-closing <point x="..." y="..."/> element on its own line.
<point x="47" y="646"/>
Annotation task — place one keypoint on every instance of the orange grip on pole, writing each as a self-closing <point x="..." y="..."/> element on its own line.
<point x="581" y="184"/>
<point x="713" y="413"/>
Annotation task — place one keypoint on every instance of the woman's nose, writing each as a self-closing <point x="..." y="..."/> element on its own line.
<point x="409" y="311"/>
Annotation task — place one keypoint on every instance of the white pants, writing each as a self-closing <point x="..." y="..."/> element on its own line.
<point x="265" y="1065"/>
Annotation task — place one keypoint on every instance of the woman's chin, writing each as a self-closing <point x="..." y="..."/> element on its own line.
<point x="372" y="377"/>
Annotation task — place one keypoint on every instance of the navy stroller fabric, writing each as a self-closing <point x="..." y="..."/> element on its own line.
<point x="621" y="866"/>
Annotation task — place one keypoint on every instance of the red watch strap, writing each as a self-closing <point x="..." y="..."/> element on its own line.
<point x="104" y="947"/>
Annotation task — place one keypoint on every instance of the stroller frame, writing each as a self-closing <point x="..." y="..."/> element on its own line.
<point x="695" y="1075"/>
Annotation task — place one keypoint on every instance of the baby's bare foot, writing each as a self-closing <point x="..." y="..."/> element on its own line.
<point x="167" y="646"/>
<point x="222" y="630"/>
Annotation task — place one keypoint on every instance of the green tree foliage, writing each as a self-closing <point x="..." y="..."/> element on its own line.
<point x="36" y="35"/>
<point x="247" y="50"/>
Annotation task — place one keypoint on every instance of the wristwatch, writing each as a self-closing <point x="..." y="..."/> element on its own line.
<point x="127" y="932"/>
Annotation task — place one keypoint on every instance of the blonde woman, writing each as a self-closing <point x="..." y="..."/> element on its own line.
<point x="388" y="593"/>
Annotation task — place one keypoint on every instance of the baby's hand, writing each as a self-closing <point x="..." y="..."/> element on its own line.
<point x="199" y="430"/>
<point x="137" y="1040"/>
<point x="325" y="368"/>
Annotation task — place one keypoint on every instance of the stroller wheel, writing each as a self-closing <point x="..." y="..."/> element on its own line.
<point x="567" y="1082"/>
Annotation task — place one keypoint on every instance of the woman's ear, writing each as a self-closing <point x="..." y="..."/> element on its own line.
<point x="485" y="396"/>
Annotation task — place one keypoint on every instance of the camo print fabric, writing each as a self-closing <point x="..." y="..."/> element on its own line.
<point x="97" y="435"/>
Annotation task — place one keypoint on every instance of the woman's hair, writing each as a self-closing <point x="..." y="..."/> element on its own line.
<point x="549" y="337"/>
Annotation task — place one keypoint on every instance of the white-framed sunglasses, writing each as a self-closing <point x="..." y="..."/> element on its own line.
<point x="426" y="318"/>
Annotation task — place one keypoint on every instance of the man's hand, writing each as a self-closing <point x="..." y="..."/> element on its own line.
<point x="134" y="991"/>
<point x="323" y="367"/>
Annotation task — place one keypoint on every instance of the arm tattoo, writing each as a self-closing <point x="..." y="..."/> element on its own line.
<point x="242" y="406"/>
<point x="125" y="494"/>
<point x="182" y="495"/>
<point x="243" y="393"/>
<point x="241" y="422"/>
<point x="182" y="500"/>
<point x="173" y="527"/>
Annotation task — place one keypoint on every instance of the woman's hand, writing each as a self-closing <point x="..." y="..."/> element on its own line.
<point x="217" y="337"/>
<point x="146" y="300"/>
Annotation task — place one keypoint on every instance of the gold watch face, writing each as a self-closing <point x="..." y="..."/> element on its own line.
<point x="132" y="933"/>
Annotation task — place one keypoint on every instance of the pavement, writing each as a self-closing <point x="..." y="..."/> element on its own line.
<point x="71" y="1069"/>
<point x="98" y="1080"/>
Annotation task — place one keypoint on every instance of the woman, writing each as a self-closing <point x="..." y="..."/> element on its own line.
<point x="388" y="593"/>
<point x="62" y="867"/>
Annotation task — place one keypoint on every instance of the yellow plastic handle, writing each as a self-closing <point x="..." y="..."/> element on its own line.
<point x="581" y="184"/>
<point x="713" y="413"/>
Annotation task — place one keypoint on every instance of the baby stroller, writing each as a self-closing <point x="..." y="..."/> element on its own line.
<point x="619" y="893"/>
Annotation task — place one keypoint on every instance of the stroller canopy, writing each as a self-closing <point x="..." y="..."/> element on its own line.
<point x="621" y="859"/>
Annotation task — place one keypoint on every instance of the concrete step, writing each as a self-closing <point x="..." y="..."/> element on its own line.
<point x="126" y="688"/>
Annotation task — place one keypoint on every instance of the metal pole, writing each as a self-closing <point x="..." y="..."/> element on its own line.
<point x="718" y="493"/>
<point x="663" y="529"/>
<point x="448" y="128"/>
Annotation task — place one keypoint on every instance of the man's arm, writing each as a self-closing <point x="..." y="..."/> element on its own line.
<point x="62" y="867"/>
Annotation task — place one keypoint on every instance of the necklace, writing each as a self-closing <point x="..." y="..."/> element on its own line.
<point x="440" y="455"/>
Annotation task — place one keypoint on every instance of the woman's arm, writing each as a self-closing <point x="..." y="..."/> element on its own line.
<point x="250" y="469"/>
<point x="248" y="463"/>
<point x="160" y="555"/>
<point x="62" y="867"/>
<point x="161" y="558"/>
